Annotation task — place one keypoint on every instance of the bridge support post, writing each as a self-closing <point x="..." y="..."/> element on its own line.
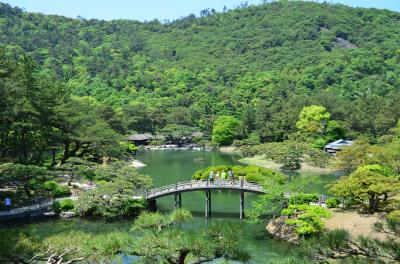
<point x="152" y="205"/>
<point x="178" y="200"/>
<point x="241" y="205"/>
<point x="208" y="204"/>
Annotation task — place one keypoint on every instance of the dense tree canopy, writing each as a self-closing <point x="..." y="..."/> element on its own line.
<point x="261" y="64"/>
<point x="225" y="130"/>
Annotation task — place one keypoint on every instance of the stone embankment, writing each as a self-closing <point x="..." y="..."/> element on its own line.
<point x="279" y="229"/>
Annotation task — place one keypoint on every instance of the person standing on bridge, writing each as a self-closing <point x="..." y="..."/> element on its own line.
<point x="7" y="203"/>
<point x="231" y="176"/>
<point x="223" y="175"/>
<point x="211" y="177"/>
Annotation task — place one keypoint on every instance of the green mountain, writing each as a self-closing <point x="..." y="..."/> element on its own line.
<point x="262" y="64"/>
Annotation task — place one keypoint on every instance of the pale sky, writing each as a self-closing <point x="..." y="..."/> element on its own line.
<point x="150" y="9"/>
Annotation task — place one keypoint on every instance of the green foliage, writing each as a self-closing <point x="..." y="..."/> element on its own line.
<point x="275" y="198"/>
<point x="63" y="205"/>
<point x="350" y="158"/>
<point x="28" y="180"/>
<point x="332" y="202"/>
<point x="133" y="76"/>
<point x="177" y="134"/>
<point x="394" y="217"/>
<point x="84" y="133"/>
<point x="369" y="182"/>
<point x="162" y="241"/>
<point x="116" y="196"/>
<point x="253" y="139"/>
<point x="304" y="198"/>
<point x="150" y="220"/>
<point x="312" y="118"/>
<point x="317" y="158"/>
<point x="50" y="185"/>
<point x="305" y="218"/>
<point x="61" y="191"/>
<point x="180" y="215"/>
<point x="289" y="153"/>
<point x="157" y="221"/>
<point x="331" y="244"/>
<point x="225" y="130"/>
<point x="76" y="169"/>
<point x="98" y="241"/>
<point x="130" y="147"/>
<point x="250" y="173"/>
<point x="57" y="190"/>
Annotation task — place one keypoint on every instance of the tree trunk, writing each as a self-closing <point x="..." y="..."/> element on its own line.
<point x="373" y="202"/>
<point x="182" y="257"/>
<point x="66" y="153"/>
<point x="53" y="157"/>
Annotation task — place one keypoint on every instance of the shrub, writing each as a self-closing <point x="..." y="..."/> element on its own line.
<point x="251" y="173"/>
<point x="57" y="190"/>
<point x="306" y="218"/>
<point x="390" y="205"/>
<point x="239" y="171"/>
<point x="254" y="177"/>
<point x="332" y="202"/>
<point x="317" y="158"/>
<point x="115" y="198"/>
<point x="61" y="191"/>
<point x="63" y="205"/>
<point x="50" y="185"/>
<point x="248" y="151"/>
<point x="394" y="217"/>
<point x="304" y="198"/>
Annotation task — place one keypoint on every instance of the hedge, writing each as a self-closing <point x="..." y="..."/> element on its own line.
<point x="250" y="173"/>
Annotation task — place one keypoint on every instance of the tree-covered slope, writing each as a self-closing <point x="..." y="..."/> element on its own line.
<point x="261" y="64"/>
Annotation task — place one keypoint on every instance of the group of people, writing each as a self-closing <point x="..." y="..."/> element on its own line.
<point x="221" y="176"/>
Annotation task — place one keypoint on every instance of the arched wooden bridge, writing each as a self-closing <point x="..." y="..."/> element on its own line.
<point x="152" y="194"/>
<point x="178" y="188"/>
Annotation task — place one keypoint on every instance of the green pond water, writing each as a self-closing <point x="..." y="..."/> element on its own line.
<point x="170" y="166"/>
<point x="167" y="167"/>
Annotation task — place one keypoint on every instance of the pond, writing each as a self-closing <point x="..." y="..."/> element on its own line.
<point x="170" y="166"/>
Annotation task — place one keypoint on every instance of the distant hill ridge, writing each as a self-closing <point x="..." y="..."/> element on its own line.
<point x="221" y="63"/>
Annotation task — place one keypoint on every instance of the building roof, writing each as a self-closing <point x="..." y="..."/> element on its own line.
<point x="140" y="137"/>
<point x="339" y="144"/>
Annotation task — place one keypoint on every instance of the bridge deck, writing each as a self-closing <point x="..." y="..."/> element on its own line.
<point x="202" y="185"/>
<point x="243" y="186"/>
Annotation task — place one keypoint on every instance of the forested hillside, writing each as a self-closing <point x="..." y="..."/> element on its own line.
<point x="261" y="64"/>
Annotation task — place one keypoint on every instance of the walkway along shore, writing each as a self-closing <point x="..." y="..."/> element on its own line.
<point x="31" y="210"/>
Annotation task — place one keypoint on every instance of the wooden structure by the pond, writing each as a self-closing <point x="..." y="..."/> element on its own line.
<point x="140" y="139"/>
<point x="338" y="145"/>
<point x="178" y="188"/>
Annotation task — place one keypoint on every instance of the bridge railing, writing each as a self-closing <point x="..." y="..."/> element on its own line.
<point x="39" y="205"/>
<point x="188" y="185"/>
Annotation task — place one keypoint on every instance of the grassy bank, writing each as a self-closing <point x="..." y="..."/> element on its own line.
<point x="269" y="164"/>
